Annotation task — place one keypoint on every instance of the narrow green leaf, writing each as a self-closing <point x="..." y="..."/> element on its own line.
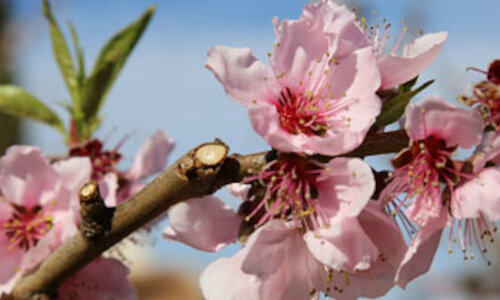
<point x="108" y="65"/>
<point x="61" y="53"/>
<point x="395" y="107"/>
<point x="17" y="102"/>
<point x="80" y="74"/>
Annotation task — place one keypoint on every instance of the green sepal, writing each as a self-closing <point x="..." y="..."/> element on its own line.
<point x="395" y="107"/>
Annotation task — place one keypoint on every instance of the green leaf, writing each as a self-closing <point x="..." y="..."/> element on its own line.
<point x="80" y="74"/>
<point x="108" y="65"/>
<point x="395" y="107"/>
<point x="17" y="102"/>
<point x="61" y="53"/>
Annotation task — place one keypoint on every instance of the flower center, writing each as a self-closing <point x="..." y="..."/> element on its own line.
<point x="286" y="189"/>
<point x="494" y="72"/>
<point x="303" y="113"/>
<point x="102" y="161"/>
<point x="418" y="172"/>
<point x="26" y="227"/>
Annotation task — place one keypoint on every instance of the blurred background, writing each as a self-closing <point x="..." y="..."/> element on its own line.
<point x="164" y="85"/>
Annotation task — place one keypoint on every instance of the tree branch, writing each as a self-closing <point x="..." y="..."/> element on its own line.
<point x="199" y="172"/>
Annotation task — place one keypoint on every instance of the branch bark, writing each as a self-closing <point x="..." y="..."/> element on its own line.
<point x="199" y="172"/>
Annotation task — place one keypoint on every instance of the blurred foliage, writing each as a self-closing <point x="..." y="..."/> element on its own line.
<point x="9" y="126"/>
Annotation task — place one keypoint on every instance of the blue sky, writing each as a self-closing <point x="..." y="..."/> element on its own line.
<point x="164" y="84"/>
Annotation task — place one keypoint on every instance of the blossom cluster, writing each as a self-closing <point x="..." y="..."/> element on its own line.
<point x="310" y="227"/>
<point x="39" y="209"/>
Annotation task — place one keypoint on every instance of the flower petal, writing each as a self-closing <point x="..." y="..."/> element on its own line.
<point x="398" y="69"/>
<point x="265" y="249"/>
<point x="108" y="187"/>
<point x="479" y="196"/>
<point x="352" y="84"/>
<point x="152" y="156"/>
<point x="420" y="253"/>
<point x="239" y="190"/>
<point x="435" y="117"/>
<point x="346" y="186"/>
<point x="11" y="259"/>
<point x="385" y="234"/>
<point x="29" y="165"/>
<point x="218" y="275"/>
<point x="245" y="79"/>
<point x="342" y="246"/>
<point x="89" y="282"/>
<point x="74" y="172"/>
<point x="204" y="223"/>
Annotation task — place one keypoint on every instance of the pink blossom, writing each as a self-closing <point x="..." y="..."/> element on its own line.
<point x="299" y="190"/>
<point x="396" y="65"/>
<point x="436" y="129"/>
<point x="115" y="185"/>
<point x="36" y="198"/>
<point x="38" y="212"/>
<point x="316" y="233"/>
<point x="318" y="95"/>
<point x="276" y="263"/>
<point x="475" y="206"/>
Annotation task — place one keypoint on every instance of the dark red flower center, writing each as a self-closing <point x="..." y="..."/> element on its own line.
<point x="494" y="72"/>
<point x="26" y="227"/>
<point x="103" y="161"/>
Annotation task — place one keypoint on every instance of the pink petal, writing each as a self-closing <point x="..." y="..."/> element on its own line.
<point x="386" y="236"/>
<point x="479" y="196"/>
<point x="29" y="165"/>
<point x="152" y="157"/>
<point x="6" y="288"/>
<point x="298" y="45"/>
<point x="435" y="117"/>
<point x="204" y="223"/>
<point x="339" y="24"/>
<point x="425" y="208"/>
<point x="265" y="121"/>
<point x="74" y="172"/>
<point x="245" y="79"/>
<point x="356" y="76"/>
<point x="239" y="190"/>
<point x="345" y="186"/>
<point x="11" y="259"/>
<point x="398" y="69"/>
<point x="103" y="279"/>
<point x="357" y="79"/>
<point x="265" y="248"/>
<point x="342" y="246"/>
<point x="224" y="280"/>
<point x="108" y="187"/>
<point x="420" y="253"/>
<point x="487" y="150"/>
<point x="279" y="257"/>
